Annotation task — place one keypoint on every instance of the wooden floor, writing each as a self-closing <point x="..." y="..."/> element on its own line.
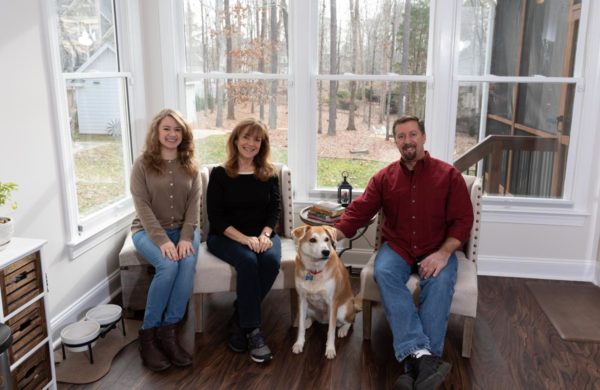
<point x="515" y="347"/>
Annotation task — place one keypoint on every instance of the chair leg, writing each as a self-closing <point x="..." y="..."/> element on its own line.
<point x="468" y="330"/>
<point x="199" y="312"/>
<point x="294" y="307"/>
<point x="366" y="310"/>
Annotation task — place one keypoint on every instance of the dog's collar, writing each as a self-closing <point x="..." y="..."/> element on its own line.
<point x="310" y="274"/>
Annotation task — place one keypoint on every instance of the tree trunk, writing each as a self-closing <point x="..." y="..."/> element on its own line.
<point x="388" y="102"/>
<point x="273" y="93"/>
<point x="261" y="61"/>
<point x="205" y="56"/>
<point x="332" y="68"/>
<point x="354" y="23"/>
<point x="229" y="66"/>
<point x="405" y="55"/>
<point x="219" y="92"/>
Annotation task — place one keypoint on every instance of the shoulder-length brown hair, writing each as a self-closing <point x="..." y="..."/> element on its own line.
<point x="185" y="150"/>
<point x="263" y="169"/>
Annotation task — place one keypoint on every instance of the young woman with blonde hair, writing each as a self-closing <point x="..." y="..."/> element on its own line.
<point x="165" y="189"/>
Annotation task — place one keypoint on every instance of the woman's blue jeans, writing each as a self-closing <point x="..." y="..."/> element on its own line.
<point x="256" y="273"/>
<point x="173" y="281"/>
<point x="413" y="328"/>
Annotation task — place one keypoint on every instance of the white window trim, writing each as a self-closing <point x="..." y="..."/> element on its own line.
<point x="105" y="223"/>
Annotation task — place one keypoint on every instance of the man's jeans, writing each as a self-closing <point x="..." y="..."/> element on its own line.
<point x="256" y="273"/>
<point x="414" y="329"/>
<point x="173" y="281"/>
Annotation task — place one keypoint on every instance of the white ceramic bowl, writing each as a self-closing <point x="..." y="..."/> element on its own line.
<point x="104" y="314"/>
<point x="79" y="333"/>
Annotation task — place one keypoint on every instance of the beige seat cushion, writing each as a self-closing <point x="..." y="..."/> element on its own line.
<point x="215" y="275"/>
<point x="464" y="301"/>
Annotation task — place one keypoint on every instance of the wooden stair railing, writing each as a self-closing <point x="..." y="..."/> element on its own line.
<point x="493" y="145"/>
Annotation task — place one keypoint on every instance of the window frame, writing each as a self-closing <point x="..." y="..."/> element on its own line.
<point x="87" y="232"/>
<point x="443" y="82"/>
<point x="570" y="209"/>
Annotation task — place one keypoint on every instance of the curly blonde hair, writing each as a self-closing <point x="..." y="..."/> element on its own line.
<point x="185" y="151"/>
<point x="263" y="169"/>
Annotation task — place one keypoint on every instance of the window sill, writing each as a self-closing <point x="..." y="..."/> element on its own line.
<point x="98" y="234"/>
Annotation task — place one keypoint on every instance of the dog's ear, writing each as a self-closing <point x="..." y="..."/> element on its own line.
<point x="300" y="232"/>
<point x="332" y="233"/>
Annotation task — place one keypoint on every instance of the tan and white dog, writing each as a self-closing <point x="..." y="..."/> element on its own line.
<point x="323" y="286"/>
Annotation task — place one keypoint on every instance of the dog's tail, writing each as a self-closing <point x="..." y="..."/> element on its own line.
<point x="358" y="302"/>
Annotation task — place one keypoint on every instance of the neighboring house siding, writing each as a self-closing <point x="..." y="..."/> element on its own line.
<point x="98" y="100"/>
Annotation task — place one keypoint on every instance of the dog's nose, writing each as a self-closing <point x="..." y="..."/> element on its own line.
<point x="325" y="252"/>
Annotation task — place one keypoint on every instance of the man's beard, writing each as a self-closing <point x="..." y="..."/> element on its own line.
<point x="409" y="155"/>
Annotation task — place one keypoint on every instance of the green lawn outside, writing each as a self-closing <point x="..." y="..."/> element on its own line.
<point x="211" y="150"/>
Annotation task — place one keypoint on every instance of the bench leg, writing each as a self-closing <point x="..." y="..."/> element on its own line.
<point x="366" y="310"/>
<point x="198" y="312"/>
<point x="468" y="330"/>
<point x="187" y="336"/>
<point x="294" y="307"/>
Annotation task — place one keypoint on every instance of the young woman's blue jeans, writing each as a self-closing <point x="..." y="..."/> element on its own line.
<point x="256" y="273"/>
<point x="173" y="281"/>
<point x="414" y="329"/>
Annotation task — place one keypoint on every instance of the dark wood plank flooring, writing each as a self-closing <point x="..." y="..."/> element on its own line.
<point x="515" y="347"/>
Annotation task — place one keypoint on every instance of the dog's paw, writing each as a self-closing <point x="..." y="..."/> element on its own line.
<point x="343" y="330"/>
<point x="297" y="348"/>
<point x="330" y="353"/>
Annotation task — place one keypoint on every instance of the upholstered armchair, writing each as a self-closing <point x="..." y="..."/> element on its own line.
<point x="464" y="302"/>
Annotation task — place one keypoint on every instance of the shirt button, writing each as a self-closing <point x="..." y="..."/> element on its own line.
<point x="170" y="171"/>
<point x="414" y="187"/>
<point x="171" y="196"/>
<point x="172" y="217"/>
<point x="413" y="217"/>
<point x="414" y="246"/>
<point x="414" y="232"/>
<point x="171" y="206"/>
<point x="171" y="184"/>
<point x="413" y="201"/>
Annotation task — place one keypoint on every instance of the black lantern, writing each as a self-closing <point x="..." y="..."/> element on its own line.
<point x="344" y="191"/>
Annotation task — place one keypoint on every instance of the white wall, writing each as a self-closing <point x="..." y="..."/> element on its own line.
<point x="28" y="156"/>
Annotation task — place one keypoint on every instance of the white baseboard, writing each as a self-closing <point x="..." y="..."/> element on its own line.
<point x="537" y="268"/>
<point x="102" y="293"/>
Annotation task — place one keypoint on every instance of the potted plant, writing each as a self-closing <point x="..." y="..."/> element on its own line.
<point x="6" y="223"/>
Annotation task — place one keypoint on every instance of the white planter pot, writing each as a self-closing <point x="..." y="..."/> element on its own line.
<point x="7" y="228"/>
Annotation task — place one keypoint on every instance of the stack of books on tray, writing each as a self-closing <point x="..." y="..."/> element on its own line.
<point x="325" y="211"/>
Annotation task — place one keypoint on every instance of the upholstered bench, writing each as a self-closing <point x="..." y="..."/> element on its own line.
<point x="212" y="274"/>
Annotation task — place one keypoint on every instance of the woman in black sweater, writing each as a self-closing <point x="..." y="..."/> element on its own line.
<point x="243" y="208"/>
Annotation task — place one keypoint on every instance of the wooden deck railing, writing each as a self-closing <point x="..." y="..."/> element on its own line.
<point x="493" y="146"/>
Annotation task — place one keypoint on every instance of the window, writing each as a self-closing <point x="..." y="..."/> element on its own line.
<point x="519" y="110"/>
<point x="497" y="83"/>
<point x="236" y="66"/>
<point x="92" y="94"/>
<point x="372" y="67"/>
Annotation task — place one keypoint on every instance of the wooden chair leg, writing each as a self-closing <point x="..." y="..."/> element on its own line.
<point x="186" y="334"/>
<point x="199" y="312"/>
<point x="366" y="319"/>
<point x="468" y="330"/>
<point x="294" y="307"/>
